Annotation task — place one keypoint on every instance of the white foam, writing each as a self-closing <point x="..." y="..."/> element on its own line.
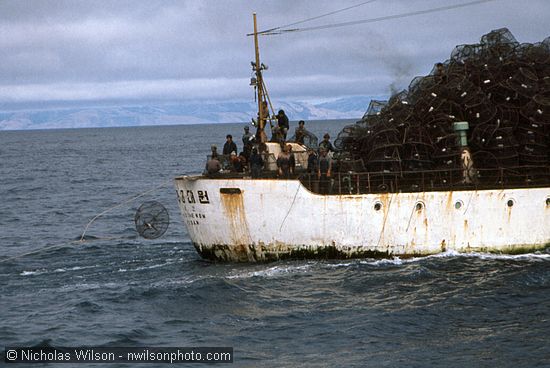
<point x="522" y="257"/>
<point x="338" y="265"/>
<point x="181" y="281"/>
<point x="57" y="270"/>
<point x="92" y="286"/>
<point x="157" y="265"/>
<point x="386" y="261"/>
<point x="448" y="254"/>
<point x="36" y="272"/>
<point x="153" y="266"/>
<point x="271" y="272"/>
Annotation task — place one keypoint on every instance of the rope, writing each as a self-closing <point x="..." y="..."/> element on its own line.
<point x="81" y="240"/>
<point x="292" y="204"/>
<point x="270" y="105"/>
<point x="278" y="31"/>
<point x="55" y="246"/>
<point x="38" y="251"/>
<point x="122" y="203"/>
<point x="314" y="18"/>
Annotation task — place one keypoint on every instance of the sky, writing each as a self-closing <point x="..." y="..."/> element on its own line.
<point x="86" y="53"/>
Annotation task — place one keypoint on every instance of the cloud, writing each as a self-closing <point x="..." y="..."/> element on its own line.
<point x="171" y="50"/>
<point x="310" y="86"/>
<point x="123" y="90"/>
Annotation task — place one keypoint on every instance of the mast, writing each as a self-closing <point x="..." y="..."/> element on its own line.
<point x="260" y="85"/>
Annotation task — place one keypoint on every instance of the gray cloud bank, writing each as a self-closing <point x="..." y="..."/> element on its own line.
<point x="85" y="52"/>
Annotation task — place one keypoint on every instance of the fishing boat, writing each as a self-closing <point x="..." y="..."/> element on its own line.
<point x="367" y="210"/>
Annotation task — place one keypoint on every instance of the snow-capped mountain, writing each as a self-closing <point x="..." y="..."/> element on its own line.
<point x="182" y="113"/>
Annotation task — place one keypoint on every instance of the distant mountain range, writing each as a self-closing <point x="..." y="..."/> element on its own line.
<point x="172" y="114"/>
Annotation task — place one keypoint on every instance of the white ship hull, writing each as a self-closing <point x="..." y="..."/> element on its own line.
<point x="259" y="220"/>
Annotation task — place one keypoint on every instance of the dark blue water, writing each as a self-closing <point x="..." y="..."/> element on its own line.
<point x="444" y="311"/>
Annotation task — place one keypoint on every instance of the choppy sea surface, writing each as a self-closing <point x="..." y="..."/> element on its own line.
<point x="116" y="289"/>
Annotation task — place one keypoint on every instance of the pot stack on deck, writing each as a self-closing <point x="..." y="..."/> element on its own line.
<point x="499" y="86"/>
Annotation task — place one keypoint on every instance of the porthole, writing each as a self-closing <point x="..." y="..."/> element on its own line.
<point x="458" y="205"/>
<point x="510" y="203"/>
<point x="377" y="206"/>
<point x="419" y="206"/>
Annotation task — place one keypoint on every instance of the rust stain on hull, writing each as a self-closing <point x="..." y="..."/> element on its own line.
<point x="233" y="206"/>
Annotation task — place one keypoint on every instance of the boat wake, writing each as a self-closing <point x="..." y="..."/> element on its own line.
<point x="274" y="271"/>
<point x="312" y="267"/>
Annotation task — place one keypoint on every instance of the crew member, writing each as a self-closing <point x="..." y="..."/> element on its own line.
<point x="236" y="163"/>
<point x="325" y="143"/>
<point x="300" y="132"/>
<point x="213" y="165"/>
<point x="283" y="163"/>
<point x="256" y="163"/>
<point x="324" y="171"/>
<point x="229" y="145"/>
<point x="277" y="135"/>
<point x="291" y="159"/>
<point x="312" y="168"/>
<point x="247" y="141"/>
<point x="282" y="123"/>
<point x="214" y="150"/>
<point x="311" y="161"/>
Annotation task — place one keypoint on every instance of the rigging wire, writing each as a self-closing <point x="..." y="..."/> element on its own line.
<point x="279" y="31"/>
<point x="314" y="18"/>
<point x="270" y="104"/>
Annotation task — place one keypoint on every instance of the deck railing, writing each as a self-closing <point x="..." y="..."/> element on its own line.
<point x="352" y="182"/>
<point x="429" y="180"/>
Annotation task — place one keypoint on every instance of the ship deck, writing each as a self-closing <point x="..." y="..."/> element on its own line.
<point x="352" y="182"/>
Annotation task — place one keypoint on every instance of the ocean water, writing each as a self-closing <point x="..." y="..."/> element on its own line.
<point x="116" y="289"/>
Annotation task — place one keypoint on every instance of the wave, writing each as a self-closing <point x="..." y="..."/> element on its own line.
<point x="36" y="272"/>
<point x="274" y="271"/>
<point x="42" y="271"/>
<point x="75" y="268"/>
<point x="45" y="343"/>
<point x="282" y="270"/>
<point x="312" y="266"/>
<point x="526" y="256"/>
<point x="85" y="238"/>
<point x="167" y="262"/>
<point x="451" y="254"/>
<point x="93" y="286"/>
<point x="88" y="307"/>
<point x="188" y="280"/>
<point x="395" y="261"/>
